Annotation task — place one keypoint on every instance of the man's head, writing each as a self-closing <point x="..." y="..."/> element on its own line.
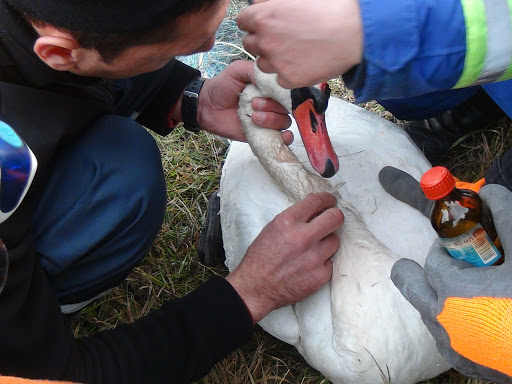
<point x="119" y="38"/>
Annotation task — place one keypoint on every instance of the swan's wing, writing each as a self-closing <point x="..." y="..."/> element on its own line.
<point x="377" y="332"/>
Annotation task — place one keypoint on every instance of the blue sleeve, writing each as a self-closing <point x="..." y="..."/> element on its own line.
<point x="411" y="47"/>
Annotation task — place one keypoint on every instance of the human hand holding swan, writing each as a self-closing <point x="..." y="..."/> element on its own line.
<point x="218" y="105"/>
<point x="290" y="259"/>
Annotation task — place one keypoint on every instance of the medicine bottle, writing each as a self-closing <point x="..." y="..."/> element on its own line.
<point x="459" y="218"/>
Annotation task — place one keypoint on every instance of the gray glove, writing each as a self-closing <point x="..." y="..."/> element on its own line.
<point x="467" y="309"/>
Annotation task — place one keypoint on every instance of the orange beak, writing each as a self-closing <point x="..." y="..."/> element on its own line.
<point x="308" y="109"/>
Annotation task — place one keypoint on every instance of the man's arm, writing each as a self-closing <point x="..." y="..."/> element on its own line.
<point x="181" y="341"/>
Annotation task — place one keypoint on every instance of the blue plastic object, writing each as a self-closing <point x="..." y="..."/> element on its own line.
<point x="17" y="169"/>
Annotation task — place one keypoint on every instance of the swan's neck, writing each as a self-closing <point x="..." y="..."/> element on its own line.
<point x="275" y="156"/>
<point x="293" y="178"/>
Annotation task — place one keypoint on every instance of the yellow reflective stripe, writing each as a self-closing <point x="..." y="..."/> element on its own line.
<point x="476" y="42"/>
<point x="508" y="73"/>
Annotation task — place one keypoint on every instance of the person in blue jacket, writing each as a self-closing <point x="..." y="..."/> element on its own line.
<point x="446" y="66"/>
<point x="444" y="62"/>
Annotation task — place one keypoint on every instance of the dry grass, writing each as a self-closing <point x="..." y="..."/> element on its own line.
<point x="192" y="164"/>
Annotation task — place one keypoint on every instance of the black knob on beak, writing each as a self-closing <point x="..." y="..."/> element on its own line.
<point x="319" y="94"/>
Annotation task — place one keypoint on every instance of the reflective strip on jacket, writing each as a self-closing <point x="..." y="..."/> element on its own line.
<point x="418" y="47"/>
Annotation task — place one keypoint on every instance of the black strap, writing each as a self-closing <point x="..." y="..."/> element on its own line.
<point x="189" y="104"/>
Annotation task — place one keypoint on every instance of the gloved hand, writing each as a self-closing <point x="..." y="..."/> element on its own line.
<point x="467" y="309"/>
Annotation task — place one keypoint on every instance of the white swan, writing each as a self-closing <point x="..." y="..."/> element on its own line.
<point x="359" y="328"/>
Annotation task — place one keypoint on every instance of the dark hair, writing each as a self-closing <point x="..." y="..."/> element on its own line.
<point x="109" y="45"/>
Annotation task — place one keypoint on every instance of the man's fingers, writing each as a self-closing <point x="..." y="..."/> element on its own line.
<point x="240" y="71"/>
<point x="326" y="223"/>
<point x="265" y="66"/>
<point x="245" y="19"/>
<point x="250" y="43"/>
<point x="287" y="137"/>
<point x="412" y="282"/>
<point x="328" y="265"/>
<point x="311" y="206"/>
<point x="271" y="120"/>
<point x="329" y="245"/>
<point x="327" y="271"/>
<point x="266" y="104"/>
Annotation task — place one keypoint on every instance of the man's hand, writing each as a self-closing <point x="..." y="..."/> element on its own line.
<point x="304" y="42"/>
<point x="218" y="105"/>
<point x="290" y="259"/>
<point x="467" y="309"/>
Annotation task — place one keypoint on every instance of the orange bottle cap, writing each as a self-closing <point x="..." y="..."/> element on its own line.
<point x="437" y="182"/>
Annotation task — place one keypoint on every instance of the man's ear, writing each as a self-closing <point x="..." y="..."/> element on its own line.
<point x="57" y="51"/>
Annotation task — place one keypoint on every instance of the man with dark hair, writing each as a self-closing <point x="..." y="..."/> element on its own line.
<point x="98" y="196"/>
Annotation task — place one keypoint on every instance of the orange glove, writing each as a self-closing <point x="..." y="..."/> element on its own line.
<point x="487" y="322"/>
<point x="475" y="187"/>
<point x="18" y="380"/>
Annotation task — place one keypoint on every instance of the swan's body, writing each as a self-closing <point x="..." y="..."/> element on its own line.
<point x="359" y="328"/>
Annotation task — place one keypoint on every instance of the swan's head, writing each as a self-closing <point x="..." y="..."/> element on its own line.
<point x="308" y="106"/>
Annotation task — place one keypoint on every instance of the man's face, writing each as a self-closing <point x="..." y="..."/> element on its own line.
<point x="193" y="33"/>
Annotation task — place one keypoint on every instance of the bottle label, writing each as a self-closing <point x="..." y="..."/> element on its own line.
<point x="475" y="247"/>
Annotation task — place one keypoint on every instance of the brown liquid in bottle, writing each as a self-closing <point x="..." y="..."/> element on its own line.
<point x="461" y="221"/>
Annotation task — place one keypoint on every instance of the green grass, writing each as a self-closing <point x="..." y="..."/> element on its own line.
<point x="192" y="165"/>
